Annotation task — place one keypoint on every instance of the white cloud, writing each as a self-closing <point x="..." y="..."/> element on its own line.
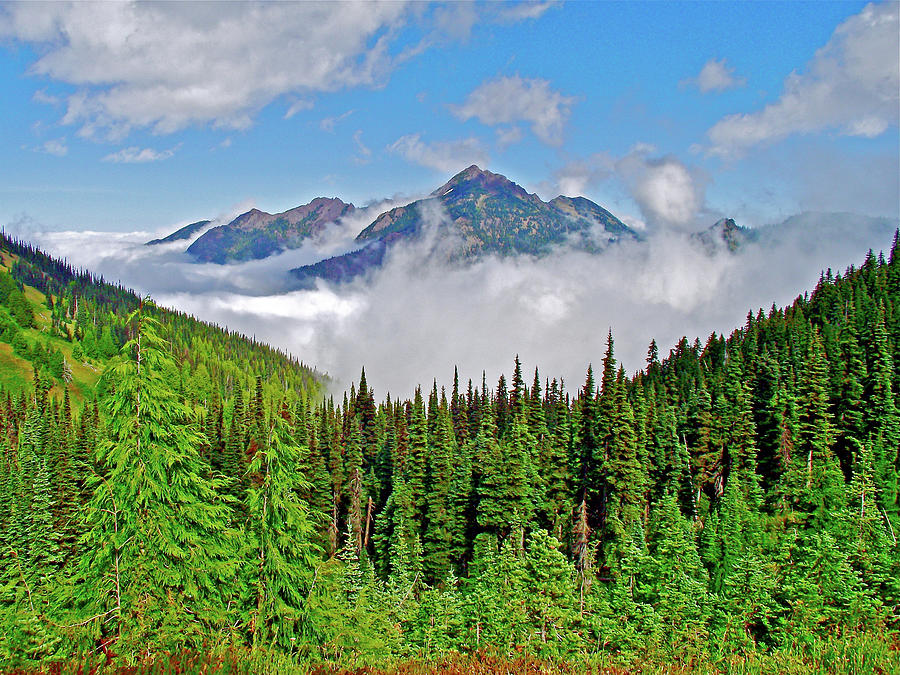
<point x="553" y="311"/>
<point x="456" y="19"/>
<point x="445" y="156"/>
<point x="715" y="76"/>
<point x="328" y="123"/>
<point x="136" y="155"/>
<point x="41" y="96"/>
<point x="364" y="153"/>
<point x="666" y="190"/>
<point x="508" y="100"/>
<point x="170" y="65"/>
<point x="521" y="11"/>
<point x="852" y="84"/>
<point x="578" y="175"/>
<point x="298" y="106"/>
<point x="56" y="147"/>
<point x="507" y="136"/>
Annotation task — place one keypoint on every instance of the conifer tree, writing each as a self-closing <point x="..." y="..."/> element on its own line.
<point x="281" y="552"/>
<point x="883" y="421"/>
<point x="417" y="464"/>
<point x="440" y="507"/>
<point x="627" y="475"/>
<point x="814" y="476"/>
<point x="156" y="540"/>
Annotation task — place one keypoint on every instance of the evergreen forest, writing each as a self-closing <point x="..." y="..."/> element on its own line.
<point x="176" y="497"/>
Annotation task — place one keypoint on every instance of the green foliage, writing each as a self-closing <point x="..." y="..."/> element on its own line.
<point x="156" y="543"/>
<point x="278" y="537"/>
<point x="735" y="504"/>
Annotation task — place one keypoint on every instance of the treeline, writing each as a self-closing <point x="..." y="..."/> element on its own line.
<point x="737" y="496"/>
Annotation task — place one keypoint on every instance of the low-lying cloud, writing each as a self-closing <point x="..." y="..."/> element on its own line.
<point x="417" y="318"/>
<point x="667" y="192"/>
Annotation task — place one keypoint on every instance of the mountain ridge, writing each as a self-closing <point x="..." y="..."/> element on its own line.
<point x="256" y="234"/>
<point x="485" y="213"/>
<point x="185" y="232"/>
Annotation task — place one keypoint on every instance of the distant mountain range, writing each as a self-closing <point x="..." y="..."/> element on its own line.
<point x="727" y="233"/>
<point x="808" y="230"/>
<point x="257" y="234"/>
<point x="475" y="213"/>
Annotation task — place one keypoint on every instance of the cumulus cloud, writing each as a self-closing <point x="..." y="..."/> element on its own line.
<point x="136" y="155"/>
<point x="510" y="100"/>
<point x="668" y="192"/>
<point x="167" y="66"/>
<point x="444" y="156"/>
<point x="170" y="65"/>
<point x="665" y="189"/>
<point x="852" y="85"/>
<point x="715" y="76"/>
<point x="413" y="321"/>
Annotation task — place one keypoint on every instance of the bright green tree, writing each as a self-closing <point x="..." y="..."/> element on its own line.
<point x="157" y="549"/>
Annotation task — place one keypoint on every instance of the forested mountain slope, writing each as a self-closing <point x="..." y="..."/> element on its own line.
<point x="64" y="325"/>
<point x="736" y="499"/>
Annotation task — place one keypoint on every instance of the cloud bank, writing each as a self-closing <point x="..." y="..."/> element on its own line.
<point x="416" y="319"/>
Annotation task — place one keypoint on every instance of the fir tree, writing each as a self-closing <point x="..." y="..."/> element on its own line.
<point x="156" y="538"/>
<point x="281" y="552"/>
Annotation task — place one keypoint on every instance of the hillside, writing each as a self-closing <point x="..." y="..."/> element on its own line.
<point x="63" y="325"/>
<point x="183" y="233"/>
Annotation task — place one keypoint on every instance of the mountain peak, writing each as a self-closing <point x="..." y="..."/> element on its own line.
<point x="725" y="232"/>
<point x="481" y="180"/>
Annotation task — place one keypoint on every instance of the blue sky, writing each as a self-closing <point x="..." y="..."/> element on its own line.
<point x="141" y="117"/>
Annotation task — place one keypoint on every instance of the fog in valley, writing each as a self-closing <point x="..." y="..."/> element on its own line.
<point x="416" y="318"/>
